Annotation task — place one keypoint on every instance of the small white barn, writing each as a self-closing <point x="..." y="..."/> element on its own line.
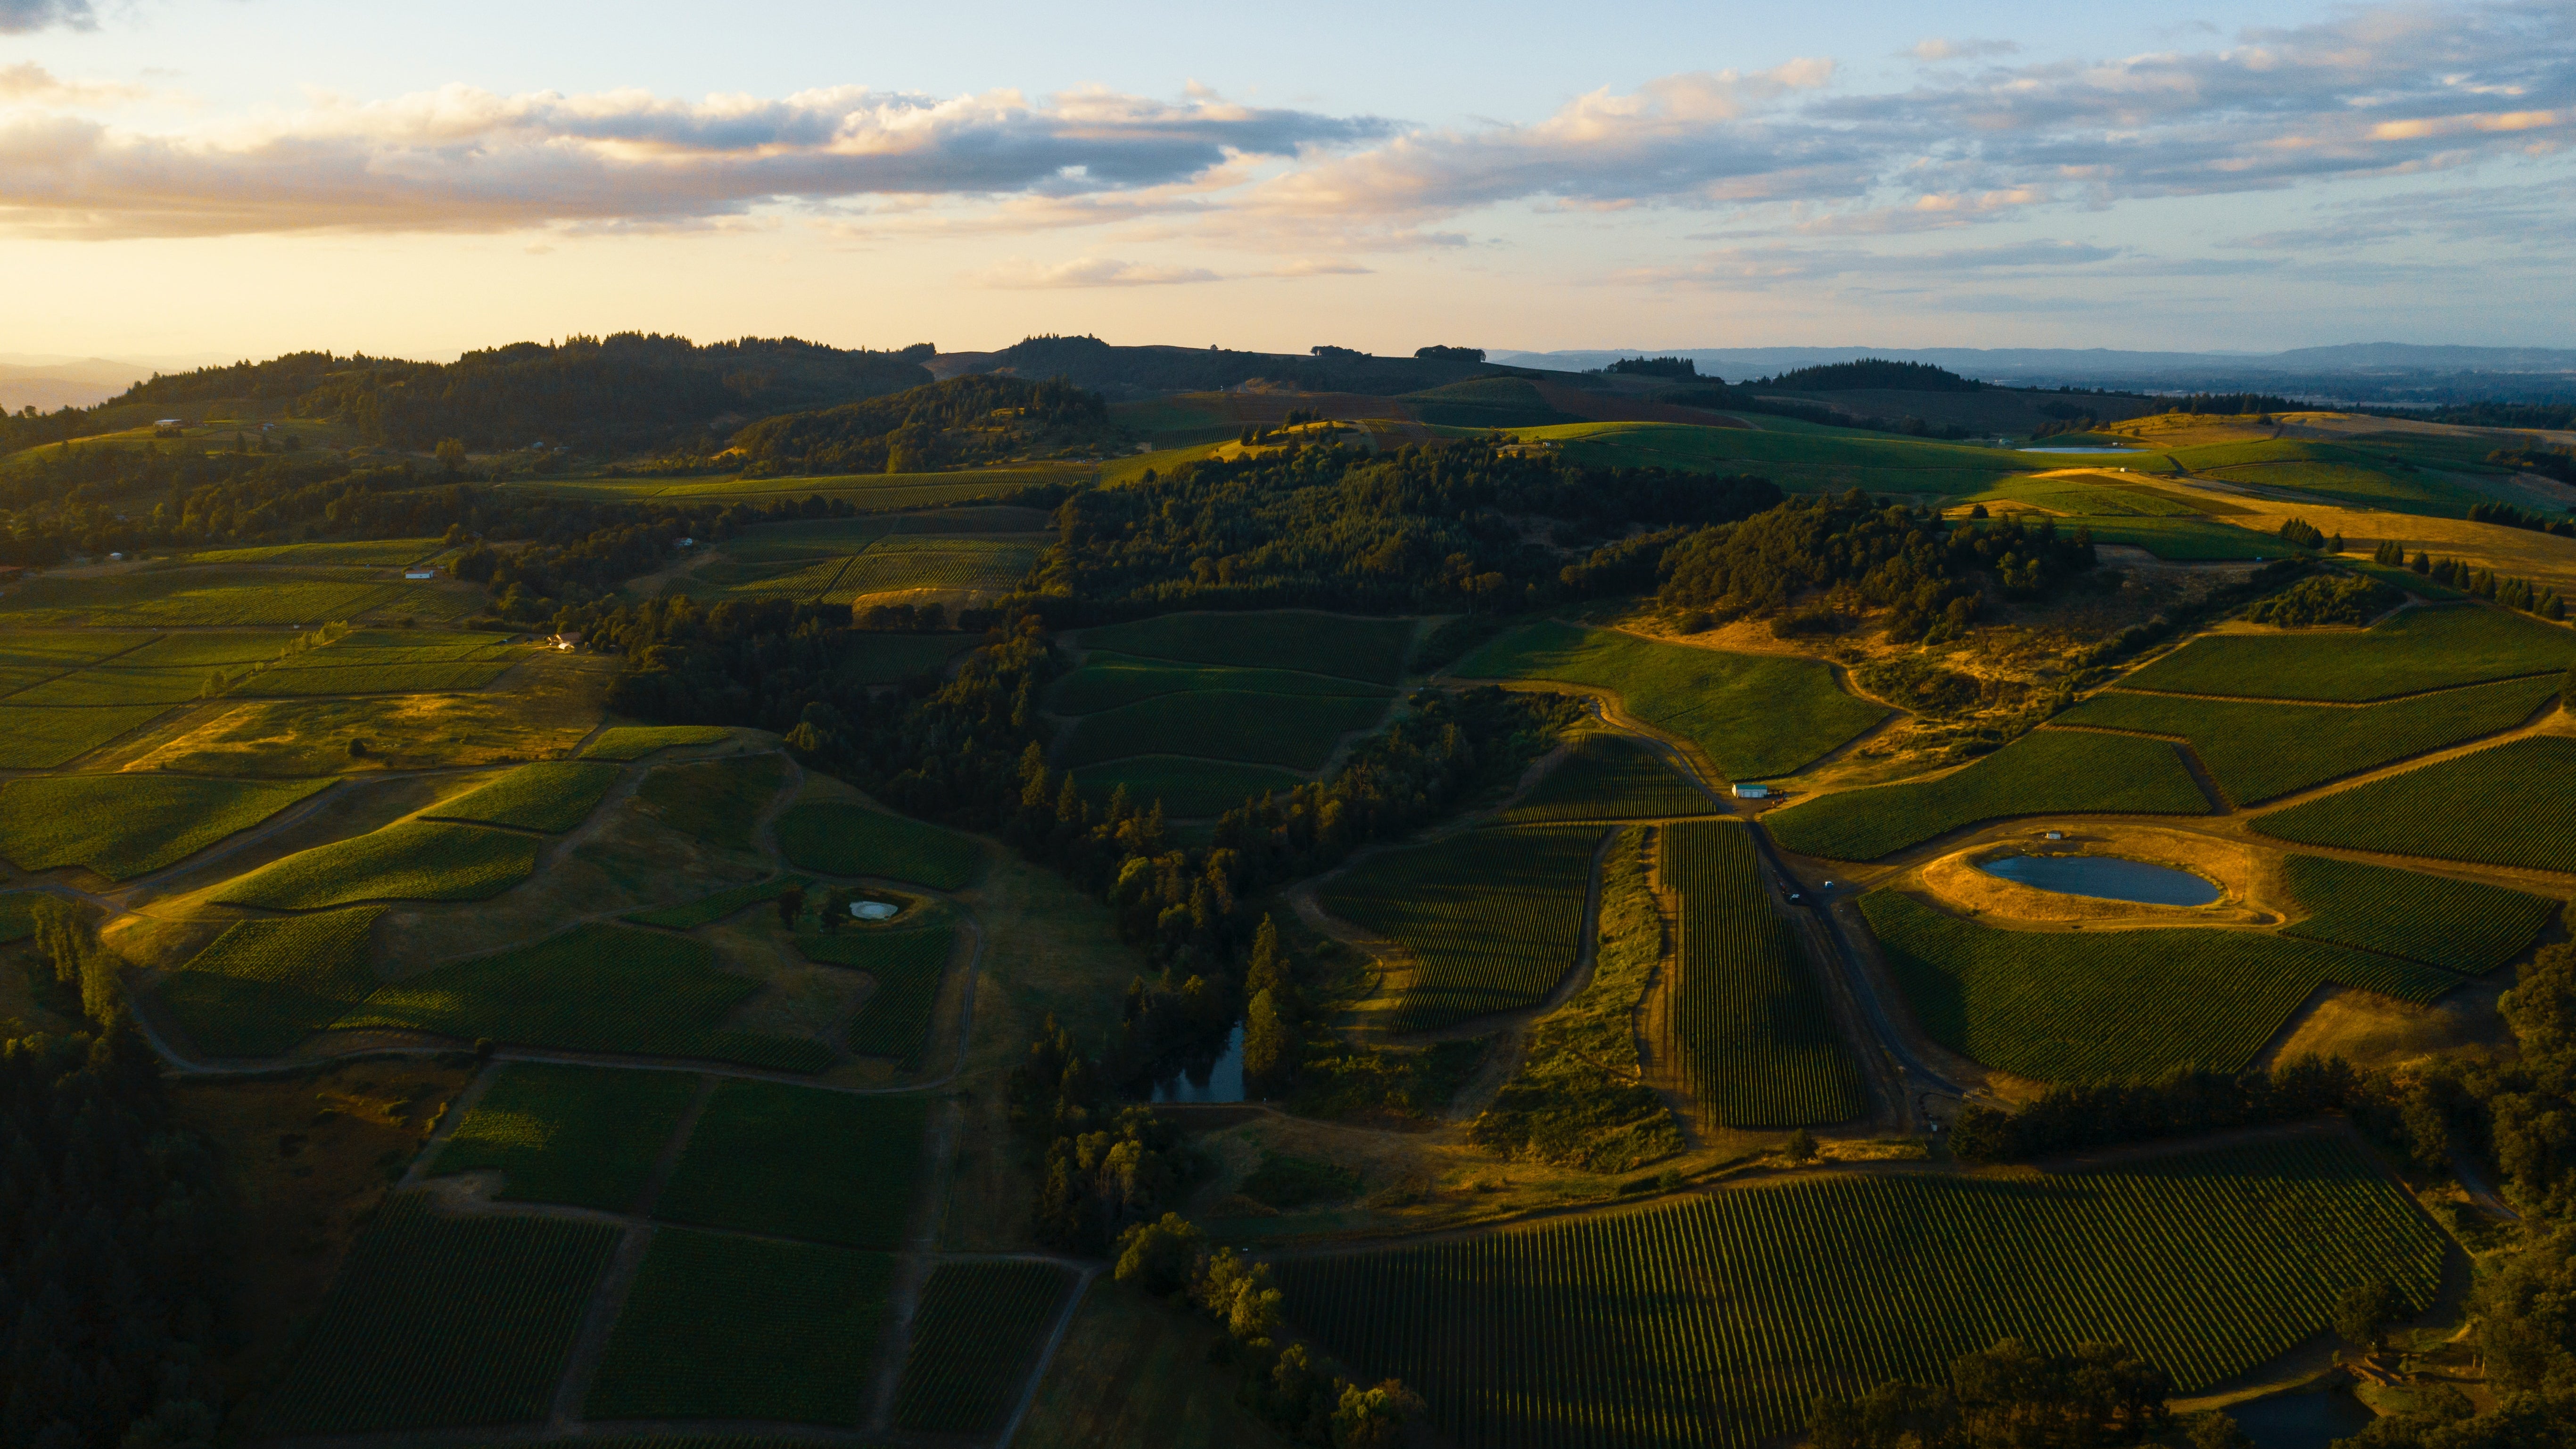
<point x="1752" y="792"/>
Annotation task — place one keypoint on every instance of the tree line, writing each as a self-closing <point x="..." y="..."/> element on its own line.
<point x="960" y="422"/>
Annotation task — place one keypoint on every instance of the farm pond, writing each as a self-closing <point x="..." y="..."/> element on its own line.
<point x="1206" y="1079"/>
<point x="2105" y="877"/>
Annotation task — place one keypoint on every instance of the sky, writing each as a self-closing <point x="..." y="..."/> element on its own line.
<point x="212" y="179"/>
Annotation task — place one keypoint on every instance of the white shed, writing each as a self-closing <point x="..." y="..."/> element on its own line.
<point x="1752" y="792"/>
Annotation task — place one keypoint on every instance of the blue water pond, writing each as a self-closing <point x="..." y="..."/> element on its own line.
<point x="2105" y="877"/>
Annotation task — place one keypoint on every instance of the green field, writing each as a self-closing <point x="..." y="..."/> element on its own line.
<point x="551" y="795"/>
<point x="2261" y="750"/>
<point x="870" y="492"/>
<point x="792" y="1162"/>
<point x="1107" y="681"/>
<point x="584" y="1136"/>
<point x="726" y="1328"/>
<point x="1801" y="457"/>
<point x="45" y="739"/>
<point x="2090" y="497"/>
<point x="200" y="596"/>
<point x="634" y="742"/>
<point x="804" y="540"/>
<point x="718" y="801"/>
<point x="895" y="1019"/>
<point x="1371" y="650"/>
<point x="126" y="825"/>
<point x="18" y="915"/>
<point x="2457" y="925"/>
<point x="1752" y="1029"/>
<point x="2406" y="653"/>
<point x="905" y="562"/>
<point x="1187" y="787"/>
<point x="1610" y="777"/>
<point x="1492" y="918"/>
<point x="29" y="658"/>
<point x="1719" y="1321"/>
<point x="354" y="553"/>
<point x="2183" y="540"/>
<point x="439" y="1322"/>
<point x="413" y="860"/>
<point x="1753" y="715"/>
<point x="706" y="910"/>
<point x="2100" y="1005"/>
<point x="2514" y="805"/>
<point x="1291" y="731"/>
<point x="2045" y="772"/>
<point x="894" y="658"/>
<point x="594" y="988"/>
<point x="265" y="985"/>
<point x="838" y="839"/>
<point x="975" y="1339"/>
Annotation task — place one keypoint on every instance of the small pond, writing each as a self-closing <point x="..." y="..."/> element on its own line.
<point x="874" y="910"/>
<point x="2301" y="1421"/>
<point x="2077" y="448"/>
<point x="2105" y="877"/>
<point x="1219" y="1079"/>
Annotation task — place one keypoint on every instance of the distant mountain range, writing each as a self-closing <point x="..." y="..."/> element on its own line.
<point x="2385" y="372"/>
<point x="46" y="383"/>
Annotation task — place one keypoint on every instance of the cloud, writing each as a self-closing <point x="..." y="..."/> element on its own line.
<point x="20" y="16"/>
<point x="1738" y="269"/>
<point x="1022" y="275"/>
<point x="1935" y="48"/>
<point x="28" y="83"/>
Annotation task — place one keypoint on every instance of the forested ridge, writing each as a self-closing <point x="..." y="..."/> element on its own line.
<point x="957" y="423"/>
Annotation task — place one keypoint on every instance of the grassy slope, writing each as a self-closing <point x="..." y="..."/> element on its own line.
<point x="265" y="985"/>
<point x="584" y="1136"/>
<point x="634" y="742"/>
<point x="415" y="860"/>
<point x="1492" y="917"/>
<point x="121" y="826"/>
<point x="838" y="839"/>
<point x="715" y="800"/>
<point x="822" y="1166"/>
<point x="2046" y="772"/>
<point x="1753" y="715"/>
<point x="1801" y="458"/>
<point x="550" y="795"/>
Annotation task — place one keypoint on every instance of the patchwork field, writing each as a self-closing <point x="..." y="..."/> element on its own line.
<point x="2108" y="1005"/>
<point x="2045" y="772"/>
<point x="2406" y="653"/>
<point x="45" y="739"/>
<point x="839" y="839"/>
<point x="1492" y="918"/>
<point x="2259" y="751"/>
<point x="415" y="860"/>
<point x="1718" y="1321"/>
<point x="1607" y="777"/>
<point x="706" y="910"/>
<point x="2514" y="805"/>
<point x="825" y="1167"/>
<point x="123" y="826"/>
<point x="581" y="1136"/>
<point x="725" y="1328"/>
<point x="1753" y="715"/>
<point x="1754" y="1033"/>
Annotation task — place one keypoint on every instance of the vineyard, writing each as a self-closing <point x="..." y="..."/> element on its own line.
<point x="718" y="801"/>
<point x="265" y="985"/>
<point x="706" y="910"/>
<point x="1719" y="1320"/>
<point x="414" y="860"/>
<point x="788" y="1162"/>
<point x="720" y="1327"/>
<point x="838" y="839"/>
<point x="441" y="1322"/>
<point x="1186" y="787"/>
<point x="552" y="796"/>
<point x="2457" y="925"/>
<point x="2261" y="751"/>
<point x="1610" y="777"/>
<point x="2514" y="805"/>
<point x="40" y="739"/>
<point x="2094" y="1005"/>
<point x="1106" y="681"/>
<point x="2045" y="772"/>
<point x="895" y="1019"/>
<point x="583" y="1136"/>
<point x="634" y="742"/>
<point x="2406" y="653"/>
<point x="1372" y="650"/>
<point x="975" y="1338"/>
<point x="1753" y="715"/>
<point x="121" y="826"/>
<point x="892" y="565"/>
<point x="1292" y="731"/>
<point x="1493" y="918"/>
<point x="1756" y="1037"/>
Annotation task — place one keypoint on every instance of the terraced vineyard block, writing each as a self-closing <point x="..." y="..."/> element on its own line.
<point x="2514" y="805"/>
<point x="552" y="796"/>
<point x="583" y="1136"/>
<point x="1757" y="1038"/>
<point x="2406" y="653"/>
<point x="1609" y="777"/>
<point x="1492" y="918"/>
<point x="125" y="825"/>
<point x="734" y="1328"/>
<point x="2045" y="772"/>
<point x="975" y="1340"/>
<point x="265" y="985"/>
<point x="414" y="860"/>
<point x="2457" y="925"/>
<point x="793" y="1162"/>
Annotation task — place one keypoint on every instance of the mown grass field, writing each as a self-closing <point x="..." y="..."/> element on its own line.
<point x="1371" y="650"/>
<point x="725" y="1328"/>
<point x="975" y="1339"/>
<point x="718" y="801"/>
<point x="439" y="1322"/>
<point x="2514" y="805"/>
<point x="838" y="839"/>
<point x="1187" y="787"/>
<point x="45" y="739"/>
<point x="413" y="860"/>
<point x="1108" y="681"/>
<point x="594" y="988"/>
<point x="634" y="742"/>
<point x="1291" y="731"/>
<point x="1608" y="777"/>
<point x="551" y="796"/>
<point x="2406" y="653"/>
<point x="826" y="1167"/>
<point x="1720" y="1320"/>
<point x="2045" y="772"/>
<point x="1753" y="715"/>
<point x="1757" y="1039"/>
<point x="126" y="825"/>
<point x="1492" y="918"/>
<point x="582" y="1136"/>
<point x="2458" y="925"/>
<point x="265" y="985"/>
<point x="895" y="1019"/>
<point x="706" y="910"/>
<point x="2262" y="750"/>
<point x="2099" y="1005"/>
